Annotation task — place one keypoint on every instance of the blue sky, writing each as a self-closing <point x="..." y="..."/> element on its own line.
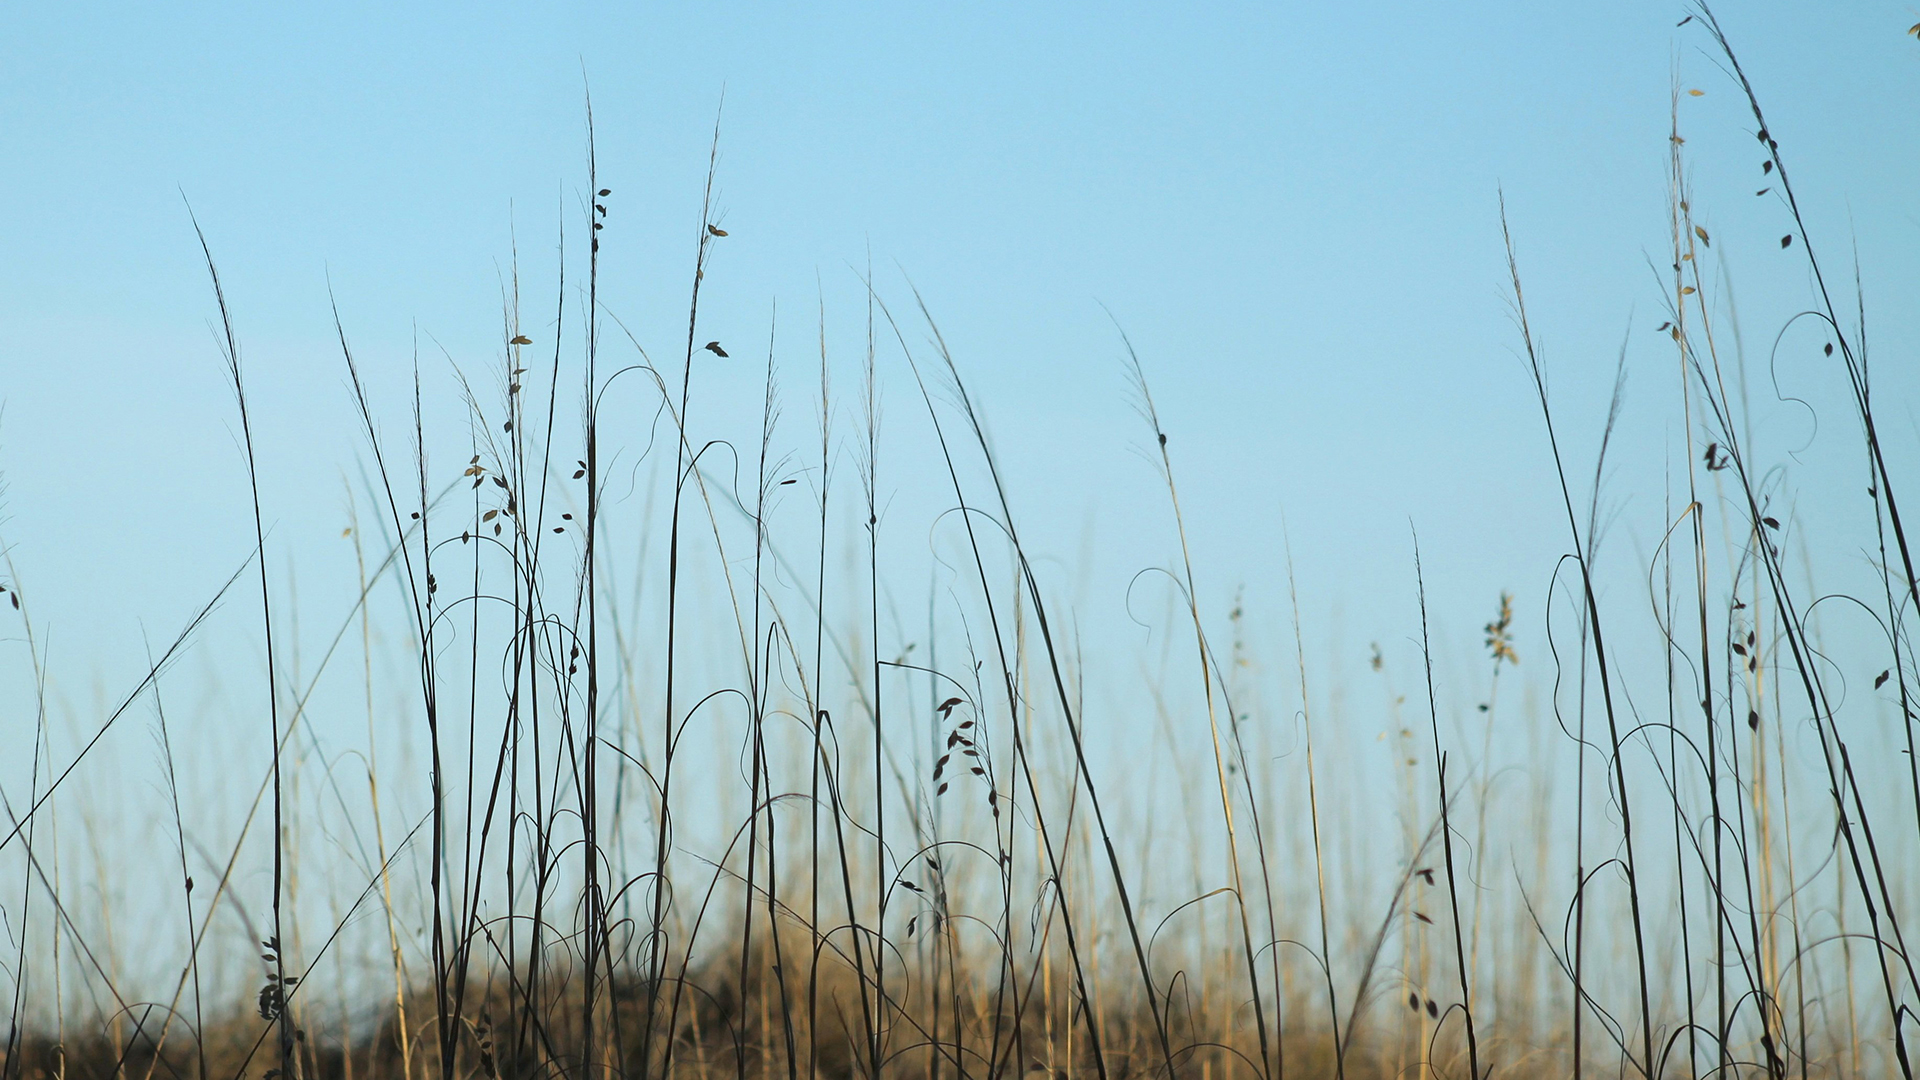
<point x="1291" y="208"/>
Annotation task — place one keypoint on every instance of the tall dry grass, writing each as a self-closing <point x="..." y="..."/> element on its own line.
<point x="679" y="813"/>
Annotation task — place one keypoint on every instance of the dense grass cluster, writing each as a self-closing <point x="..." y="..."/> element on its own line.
<point x="682" y="816"/>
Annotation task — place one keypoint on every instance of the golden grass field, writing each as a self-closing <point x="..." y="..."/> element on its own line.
<point x="666" y="810"/>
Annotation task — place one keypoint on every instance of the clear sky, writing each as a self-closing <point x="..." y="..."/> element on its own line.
<point x="1291" y="208"/>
